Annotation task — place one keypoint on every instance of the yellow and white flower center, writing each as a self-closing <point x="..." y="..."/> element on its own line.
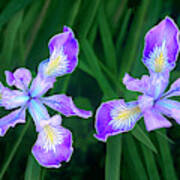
<point x="159" y="63"/>
<point x="51" y="138"/>
<point x="158" y="58"/>
<point x="123" y="115"/>
<point x="57" y="63"/>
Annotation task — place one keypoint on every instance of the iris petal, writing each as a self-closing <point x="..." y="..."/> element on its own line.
<point x="53" y="146"/>
<point x="41" y="85"/>
<point x="158" y="84"/>
<point x="139" y="85"/>
<point x="21" y="78"/>
<point x="154" y="120"/>
<point x="65" y="105"/>
<point x="13" y="98"/>
<point x="174" y="89"/>
<point x="116" y="117"/>
<point x="170" y="108"/>
<point x="10" y="120"/>
<point x="63" y="55"/>
<point x="161" y="46"/>
<point x="38" y="112"/>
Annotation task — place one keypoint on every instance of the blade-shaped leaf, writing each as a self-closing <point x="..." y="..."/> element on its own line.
<point x="33" y="169"/>
<point x="143" y="138"/>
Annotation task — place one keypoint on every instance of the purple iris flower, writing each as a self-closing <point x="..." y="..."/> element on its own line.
<point x="160" y="54"/>
<point x="54" y="143"/>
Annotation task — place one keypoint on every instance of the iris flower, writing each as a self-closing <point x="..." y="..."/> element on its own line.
<point x="54" y="142"/>
<point x="159" y="56"/>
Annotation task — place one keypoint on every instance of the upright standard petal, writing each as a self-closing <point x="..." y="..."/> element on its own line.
<point x="161" y="46"/>
<point x="170" y="108"/>
<point x="41" y="85"/>
<point x="65" y="105"/>
<point x="154" y="120"/>
<point x="38" y="112"/>
<point x="136" y="84"/>
<point x="63" y="55"/>
<point x="10" y="120"/>
<point x="13" y="98"/>
<point x="21" y="78"/>
<point x="53" y="146"/>
<point x="158" y="84"/>
<point x="116" y="117"/>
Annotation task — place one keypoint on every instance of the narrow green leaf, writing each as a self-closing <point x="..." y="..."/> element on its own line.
<point x="119" y="13"/>
<point x="135" y="157"/>
<point x="12" y="8"/>
<point x="33" y="170"/>
<point x="84" y="67"/>
<point x="163" y="135"/>
<point x="106" y="36"/>
<point x="167" y="162"/>
<point x="111" y="7"/>
<point x="133" y="39"/>
<point x="123" y="30"/>
<point x="113" y="159"/>
<point x="139" y="134"/>
<point x="92" y="34"/>
<point x="10" y="37"/>
<point x="150" y="163"/>
<point x="93" y="64"/>
<point x="36" y="27"/>
<point x="30" y="17"/>
<point x="86" y="20"/>
<point x="74" y="12"/>
<point x="14" y="149"/>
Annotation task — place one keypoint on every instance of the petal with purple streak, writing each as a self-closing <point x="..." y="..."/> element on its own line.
<point x="63" y="55"/>
<point x="53" y="146"/>
<point x="41" y="85"/>
<point x="10" y="120"/>
<point x="115" y="117"/>
<point x="65" y="105"/>
<point x="154" y="120"/>
<point x="170" y="108"/>
<point x="136" y="84"/>
<point x="13" y="98"/>
<point x="161" y="46"/>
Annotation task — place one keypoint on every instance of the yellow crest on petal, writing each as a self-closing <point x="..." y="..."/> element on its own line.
<point x="57" y="63"/>
<point x="123" y="116"/>
<point x="53" y="64"/>
<point x="159" y="63"/>
<point x="52" y="137"/>
<point x="126" y="113"/>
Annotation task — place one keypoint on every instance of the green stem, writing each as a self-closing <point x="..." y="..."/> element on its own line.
<point x="16" y="145"/>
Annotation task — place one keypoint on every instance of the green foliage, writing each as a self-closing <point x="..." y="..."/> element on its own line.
<point x="110" y="35"/>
